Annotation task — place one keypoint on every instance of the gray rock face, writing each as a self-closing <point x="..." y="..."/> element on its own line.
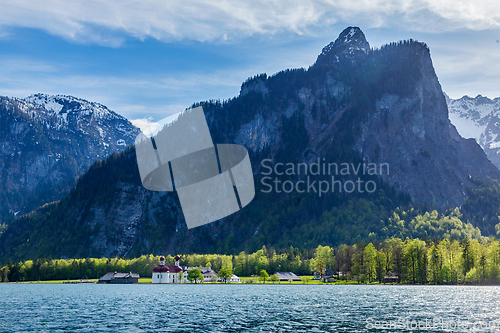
<point x="122" y="221"/>
<point x="258" y="133"/>
<point x="427" y="157"/>
<point x="478" y="118"/>
<point x="46" y="142"/>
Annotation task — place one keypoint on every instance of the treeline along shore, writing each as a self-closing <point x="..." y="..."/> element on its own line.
<point x="412" y="261"/>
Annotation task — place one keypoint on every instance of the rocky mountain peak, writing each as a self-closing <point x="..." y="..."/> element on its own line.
<point x="350" y="40"/>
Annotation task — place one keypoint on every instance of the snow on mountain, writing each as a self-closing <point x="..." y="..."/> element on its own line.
<point x="478" y="118"/>
<point x="61" y="106"/>
<point x="349" y="41"/>
<point x="68" y="113"/>
<point x="47" y="142"/>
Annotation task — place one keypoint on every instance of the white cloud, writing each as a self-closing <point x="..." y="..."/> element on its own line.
<point x="470" y="67"/>
<point x="146" y="125"/>
<point x="106" y="22"/>
<point x="150" y="127"/>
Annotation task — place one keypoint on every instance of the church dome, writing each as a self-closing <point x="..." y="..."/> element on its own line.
<point x="160" y="269"/>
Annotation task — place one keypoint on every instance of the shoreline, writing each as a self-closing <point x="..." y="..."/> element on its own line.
<point x="295" y="283"/>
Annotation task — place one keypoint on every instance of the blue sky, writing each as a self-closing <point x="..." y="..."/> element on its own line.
<point x="154" y="58"/>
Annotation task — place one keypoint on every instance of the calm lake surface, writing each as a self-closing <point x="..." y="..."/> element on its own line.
<point x="247" y="308"/>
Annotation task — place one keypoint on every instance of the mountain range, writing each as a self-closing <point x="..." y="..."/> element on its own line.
<point x="355" y="105"/>
<point x="47" y="142"/>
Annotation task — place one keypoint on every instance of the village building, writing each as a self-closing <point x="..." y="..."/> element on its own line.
<point x="329" y="279"/>
<point x="234" y="278"/>
<point x="391" y="278"/>
<point x="178" y="274"/>
<point x="327" y="274"/>
<point x="119" y="278"/>
<point x="167" y="273"/>
<point x="287" y="276"/>
<point x="209" y="275"/>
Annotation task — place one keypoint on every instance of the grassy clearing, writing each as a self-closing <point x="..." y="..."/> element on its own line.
<point x="308" y="279"/>
<point x="256" y="280"/>
<point x="59" y="281"/>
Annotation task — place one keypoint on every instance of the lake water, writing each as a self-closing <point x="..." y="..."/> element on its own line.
<point x="247" y="308"/>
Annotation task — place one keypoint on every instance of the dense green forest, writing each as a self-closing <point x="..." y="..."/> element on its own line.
<point x="414" y="261"/>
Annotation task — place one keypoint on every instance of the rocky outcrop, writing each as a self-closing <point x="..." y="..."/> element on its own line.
<point x="350" y="41"/>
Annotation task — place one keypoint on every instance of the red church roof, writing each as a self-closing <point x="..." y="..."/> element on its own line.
<point x="167" y="269"/>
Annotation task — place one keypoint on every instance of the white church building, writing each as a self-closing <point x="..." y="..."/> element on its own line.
<point x="169" y="274"/>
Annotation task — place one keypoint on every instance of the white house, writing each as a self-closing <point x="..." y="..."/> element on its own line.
<point x="168" y="274"/>
<point x="209" y="275"/>
<point x="233" y="278"/>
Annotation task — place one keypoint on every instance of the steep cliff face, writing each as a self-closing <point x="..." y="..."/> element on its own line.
<point x="427" y="156"/>
<point x="354" y="105"/>
<point x="47" y="142"/>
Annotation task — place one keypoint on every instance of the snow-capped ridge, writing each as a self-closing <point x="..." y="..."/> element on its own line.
<point x="66" y="112"/>
<point x="59" y="104"/>
<point x="478" y="118"/>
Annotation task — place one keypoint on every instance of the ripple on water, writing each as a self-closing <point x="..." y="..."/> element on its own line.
<point x="235" y="308"/>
